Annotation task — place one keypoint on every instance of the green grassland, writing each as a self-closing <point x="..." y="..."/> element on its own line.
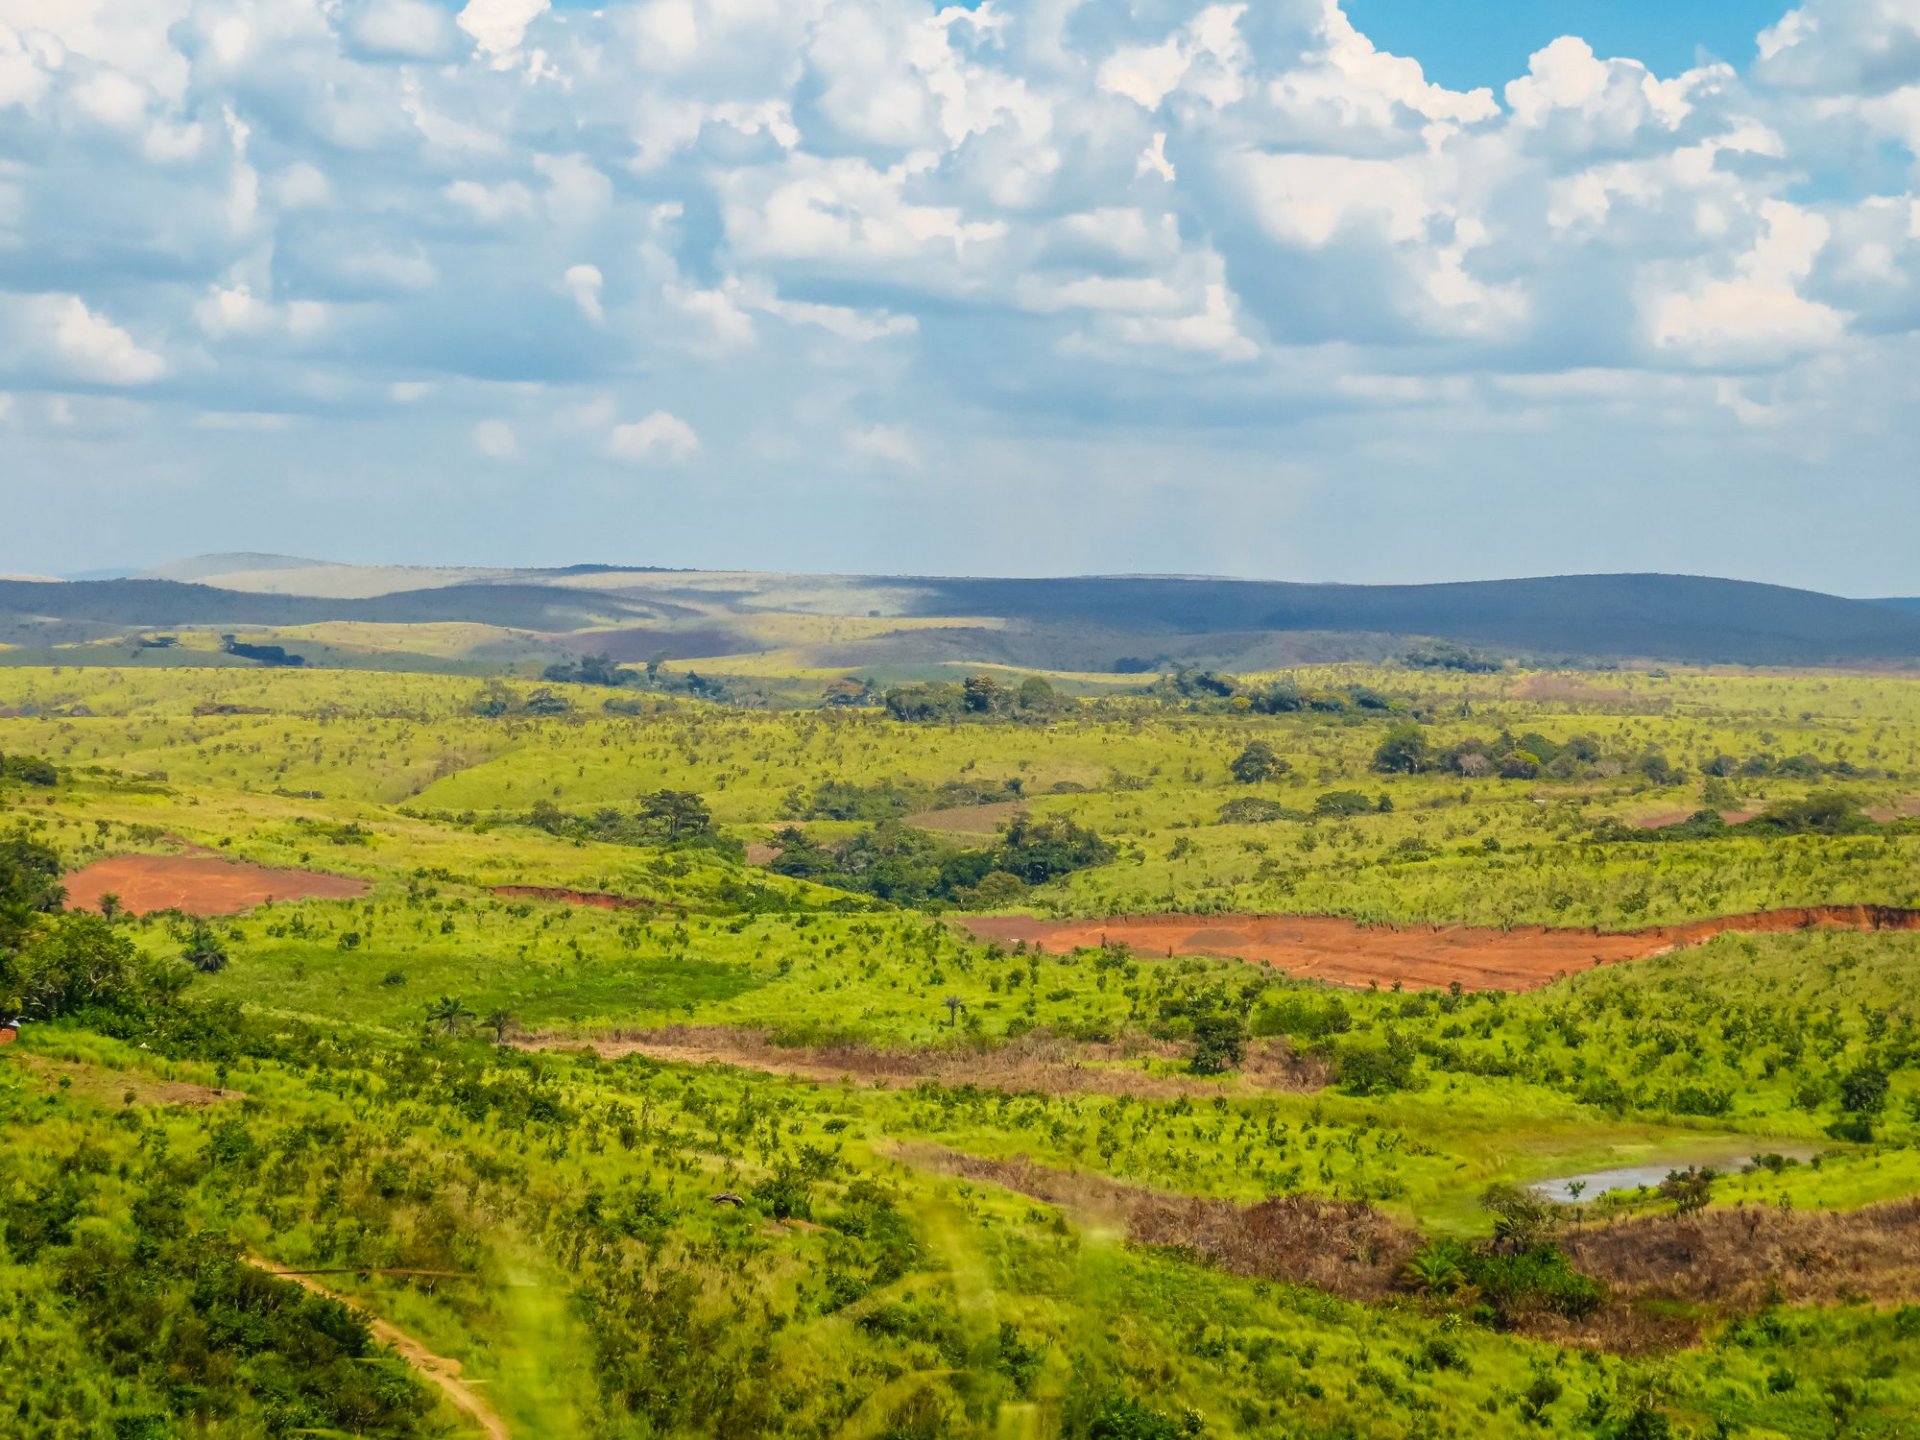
<point x="333" y="1095"/>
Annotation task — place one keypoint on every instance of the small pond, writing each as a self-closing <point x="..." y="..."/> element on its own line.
<point x="1596" y="1183"/>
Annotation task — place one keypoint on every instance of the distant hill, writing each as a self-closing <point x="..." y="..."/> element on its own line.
<point x="1676" y="617"/>
<point x="1908" y="603"/>
<point x="1082" y="623"/>
<point x="162" y="603"/>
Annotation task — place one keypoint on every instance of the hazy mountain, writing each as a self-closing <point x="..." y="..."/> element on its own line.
<point x="1081" y="623"/>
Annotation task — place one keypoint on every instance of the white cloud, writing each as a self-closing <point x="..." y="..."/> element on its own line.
<point x="498" y="26"/>
<point x="583" y="283"/>
<point x="657" y="437"/>
<point x="1757" y="315"/>
<point x="407" y="29"/>
<point x="893" y="444"/>
<point x="495" y="440"/>
<point x="79" y="343"/>
<point x="968" y="226"/>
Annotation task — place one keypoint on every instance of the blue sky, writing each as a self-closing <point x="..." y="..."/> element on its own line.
<point x="1400" y="291"/>
<point x="1464" y="45"/>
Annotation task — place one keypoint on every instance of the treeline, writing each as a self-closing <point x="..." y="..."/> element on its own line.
<point x="29" y="770"/>
<point x="978" y="697"/>
<point x="1443" y="655"/>
<point x="1825" y="812"/>
<point x="1765" y="766"/>
<point x="1409" y="750"/>
<point x="667" y="819"/>
<point x="265" y="654"/>
<point x="1212" y="689"/>
<point x="891" y="799"/>
<point x="604" y="671"/>
<point x="909" y="867"/>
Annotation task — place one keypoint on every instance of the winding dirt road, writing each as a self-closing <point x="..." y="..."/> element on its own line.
<point x="439" y="1370"/>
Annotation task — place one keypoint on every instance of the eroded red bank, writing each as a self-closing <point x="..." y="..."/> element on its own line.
<point x="1339" y="951"/>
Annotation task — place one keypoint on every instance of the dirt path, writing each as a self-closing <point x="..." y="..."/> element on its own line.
<point x="1342" y="952"/>
<point x="439" y="1370"/>
<point x="199" y="884"/>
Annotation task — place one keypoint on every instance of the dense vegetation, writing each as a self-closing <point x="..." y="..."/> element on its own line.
<point x="936" y="1186"/>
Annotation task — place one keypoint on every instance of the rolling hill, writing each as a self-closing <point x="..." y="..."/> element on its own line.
<point x="1079" y="623"/>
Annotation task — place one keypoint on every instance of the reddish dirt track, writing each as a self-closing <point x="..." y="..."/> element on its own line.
<point x="199" y="884"/>
<point x="1320" y="947"/>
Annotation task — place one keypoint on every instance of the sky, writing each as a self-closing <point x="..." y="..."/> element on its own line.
<point x="1407" y="290"/>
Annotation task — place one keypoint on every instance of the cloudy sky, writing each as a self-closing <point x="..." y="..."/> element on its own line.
<point x="1396" y="291"/>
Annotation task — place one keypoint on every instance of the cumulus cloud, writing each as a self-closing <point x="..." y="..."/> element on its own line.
<point x="76" y="343"/>
<point x="657" y="437"/>
<point x="497" y="26"/>
<point x="1206" y="220"/>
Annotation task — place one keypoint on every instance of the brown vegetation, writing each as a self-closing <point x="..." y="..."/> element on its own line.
<point x="596" y="898"/>
<point x="1345" y="1247"/>
<point x="1741" y="1258"/>
<point x="1046" y="1063"/>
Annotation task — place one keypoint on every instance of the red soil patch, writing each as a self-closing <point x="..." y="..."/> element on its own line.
<point x="600" y="900"/>
<point x="1341" y="952"/>
<point x="199" y="884"/>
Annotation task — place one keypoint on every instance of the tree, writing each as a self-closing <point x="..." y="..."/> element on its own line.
<point x="500" y="1021"/>
<point x="1404" y="751"/>
<point x="675" y="814"/>
<point x="1689" y="1189"/>
<point x="1036" y="696"/>
<point x="954" y="1006"/>
<point x="1522" y="1219"/>
<point x="983" y="695"/>
<point x="1256" y="763"/>
<point x="203" y="951"/>
<point x="29" y="887"/>
<point x="449" y="1012"/>
<point x="1863" y="1090"/>
<point x="1342" y="803"/>
<point x="1037" y="851"/>
<point x="1219" y="1043"/>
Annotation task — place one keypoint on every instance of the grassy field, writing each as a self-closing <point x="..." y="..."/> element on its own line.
<point x="733" y="1151"/>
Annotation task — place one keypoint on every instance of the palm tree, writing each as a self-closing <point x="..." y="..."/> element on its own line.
<point x="204" y="951"/>
<point x="1435" y="1269"/>
<point x="499" y="1021"/>
<point x="449" y="1012"/>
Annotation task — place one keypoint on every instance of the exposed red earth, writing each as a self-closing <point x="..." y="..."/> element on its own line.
<point x="199" y="884"/>
<point x="1342" y="952"/>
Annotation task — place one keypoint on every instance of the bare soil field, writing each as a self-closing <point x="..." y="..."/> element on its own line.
<point x="1341" y="952"/>
<point x="968" y="819"/>
<point x="199" y="884"/>
<point x="1035" y="1063"/>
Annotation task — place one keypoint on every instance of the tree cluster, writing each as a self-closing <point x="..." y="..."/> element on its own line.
<point x="907" y="866"/>
<point x="978" y="697"/>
